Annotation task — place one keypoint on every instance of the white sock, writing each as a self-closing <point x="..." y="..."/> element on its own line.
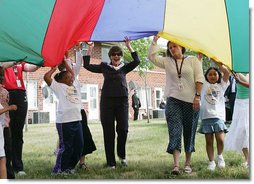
<point x="220" y="156"/>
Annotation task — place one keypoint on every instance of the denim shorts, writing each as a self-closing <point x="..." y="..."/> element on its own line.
<point x="212" y="125"/>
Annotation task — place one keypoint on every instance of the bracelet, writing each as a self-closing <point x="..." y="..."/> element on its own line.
<point x="237" y="80"/>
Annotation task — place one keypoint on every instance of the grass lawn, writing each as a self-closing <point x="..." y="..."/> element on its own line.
<point x="146" y="154"/>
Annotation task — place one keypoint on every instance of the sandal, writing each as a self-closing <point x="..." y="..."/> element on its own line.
<point x="187" y="169"/>
<point x="175" y="170"/>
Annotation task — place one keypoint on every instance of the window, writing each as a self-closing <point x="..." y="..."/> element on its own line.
<point x="51" y="96"/>
<point x="141" y="92"/>
<point x="83" y="91"/>
<point x="48" y="94"/>
<point x="93" y="96"/>
<point x="32" y="96"/>
<point x="104" y="54"/>
<point x="158" y="97"/>
<point x="84" y="49"/>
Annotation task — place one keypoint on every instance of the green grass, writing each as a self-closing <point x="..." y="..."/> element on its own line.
<point x="146" y="154"/>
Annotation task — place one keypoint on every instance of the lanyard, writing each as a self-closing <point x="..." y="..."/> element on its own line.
<point x="179" y="71"/>
<point x="15" y="69"/>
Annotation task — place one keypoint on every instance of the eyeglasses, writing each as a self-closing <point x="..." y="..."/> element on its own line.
<point x="116" y="54"/>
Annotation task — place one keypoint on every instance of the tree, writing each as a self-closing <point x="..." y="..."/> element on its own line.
<point x="206" y="61"/>
<point x="141" y="46"/>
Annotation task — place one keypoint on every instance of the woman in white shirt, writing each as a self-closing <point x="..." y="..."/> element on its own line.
<point x="184" y="78"/>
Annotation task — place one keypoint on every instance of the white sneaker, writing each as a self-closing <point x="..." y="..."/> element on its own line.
<point x="211" y="166"/>
<point x="124" y="162"/>
<point x="111" y="167"/>
<point x="21" y="173"/>
<point x="68" y="172"/>
<point x="220" y="161"/>
<point x="245" y="165"/>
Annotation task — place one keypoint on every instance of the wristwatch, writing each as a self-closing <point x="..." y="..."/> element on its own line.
<point x="197" y="94"/>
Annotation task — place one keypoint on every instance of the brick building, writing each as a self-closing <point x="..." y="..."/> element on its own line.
<point x="42" y="103"/>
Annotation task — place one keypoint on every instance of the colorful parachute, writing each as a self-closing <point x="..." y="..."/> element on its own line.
<point x="42" y="30"/>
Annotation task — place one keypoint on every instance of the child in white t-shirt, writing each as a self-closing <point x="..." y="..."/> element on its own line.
<point x="212" y="113"/>
<point x="68" y="119"/>
<point x="74" y="68"/>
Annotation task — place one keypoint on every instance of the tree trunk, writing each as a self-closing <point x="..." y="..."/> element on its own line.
<point x="147" y="107"/>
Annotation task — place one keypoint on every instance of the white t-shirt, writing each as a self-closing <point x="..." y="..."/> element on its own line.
<point x="213" y="101"/>
<point x="76" y="68"/>
<point x="68" y="109"/>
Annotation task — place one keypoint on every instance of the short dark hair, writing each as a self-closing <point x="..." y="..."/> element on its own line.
<point x="217" y="70"/>
<point x="59" y="76"/>
<point x="114" y="49"/>
<point x="61" y="66"/>
<point x="168" y="52"/>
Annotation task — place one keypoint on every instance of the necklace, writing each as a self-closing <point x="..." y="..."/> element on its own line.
<point x="179" y="70"/>
<point x="179" y="74"/>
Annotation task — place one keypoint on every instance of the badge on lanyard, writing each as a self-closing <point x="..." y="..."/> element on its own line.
<point x="179" y="73"/>
<point x="180" y="85"/>
<point x="18" y="83"/>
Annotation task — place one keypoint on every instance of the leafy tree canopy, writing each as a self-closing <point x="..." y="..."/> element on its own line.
<point x="141" y="46"/>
